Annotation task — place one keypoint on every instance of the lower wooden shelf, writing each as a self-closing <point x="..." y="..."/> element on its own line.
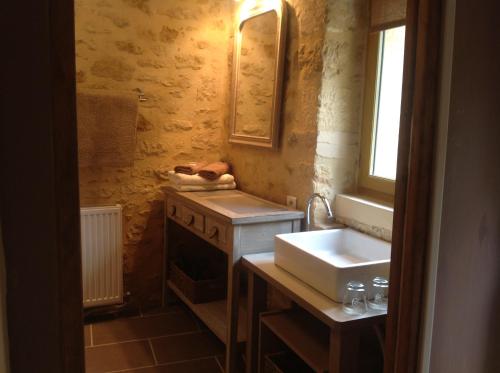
<point x="214" y="314"/>
<point x="302" y="335"/>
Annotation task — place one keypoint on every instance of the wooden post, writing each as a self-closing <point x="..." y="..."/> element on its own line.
<point x="412" y="199"/>
<point x="344" y="350"/>
<point x="233" y="298"/>
<point x="257" y="303"/>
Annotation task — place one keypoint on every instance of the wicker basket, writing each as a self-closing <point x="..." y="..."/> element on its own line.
<point x="201" y="291"/>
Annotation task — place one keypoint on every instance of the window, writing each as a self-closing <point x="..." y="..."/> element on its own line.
<point x="382" y="110"/>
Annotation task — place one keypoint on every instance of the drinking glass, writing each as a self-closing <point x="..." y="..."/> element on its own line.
<point x="355" y="298"/>
<point x="380" y="290"/>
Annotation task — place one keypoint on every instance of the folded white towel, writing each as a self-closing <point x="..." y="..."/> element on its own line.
<point x="203" y="188"/>
<point x="183" y="179"/>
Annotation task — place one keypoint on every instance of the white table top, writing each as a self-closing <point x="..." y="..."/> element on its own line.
<point x="238" y="207"/>
<point x="319" y="305"/>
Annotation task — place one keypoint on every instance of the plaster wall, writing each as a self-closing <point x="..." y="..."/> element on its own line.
<point x="466" y="323"/>
<point x="176" y="52"/>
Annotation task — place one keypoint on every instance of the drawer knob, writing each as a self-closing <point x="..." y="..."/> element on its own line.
<point x="171" y="210"/>
<point x="189" y="220"/>
<point x="213" y="232"/>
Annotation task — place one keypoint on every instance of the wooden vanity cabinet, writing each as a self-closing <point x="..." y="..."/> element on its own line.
<point x="317" y="329"/>
<point x="237" y="224"/>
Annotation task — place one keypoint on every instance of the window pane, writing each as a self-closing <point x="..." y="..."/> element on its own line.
<point x="388" y="103"/>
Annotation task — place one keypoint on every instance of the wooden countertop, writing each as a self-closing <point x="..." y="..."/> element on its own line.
<point x="317" y="304"/>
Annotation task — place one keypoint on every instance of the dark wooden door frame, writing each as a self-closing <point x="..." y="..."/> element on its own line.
<point x="57" y="272"/>
<point x="39" y="187"/>
<point x="411" y="227"/>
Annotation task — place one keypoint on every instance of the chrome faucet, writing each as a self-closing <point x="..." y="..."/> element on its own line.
<point x="329" y="212"/>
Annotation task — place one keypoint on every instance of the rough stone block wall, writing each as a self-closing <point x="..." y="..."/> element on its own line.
<point x="341" y="98"/>
<point x="323" y="97"/>
<point x="176" y="52"/>
<point x="290" y="170"/>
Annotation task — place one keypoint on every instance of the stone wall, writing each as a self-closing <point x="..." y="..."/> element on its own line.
<point x="176" y="52"/>
<point x="321" y="120"/>
<point x="290" y="170"/>
<point x="341" y="98"/>
<point x="179" y="54"/>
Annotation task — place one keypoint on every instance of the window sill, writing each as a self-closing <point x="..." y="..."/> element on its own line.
<point x="365" y="214"/>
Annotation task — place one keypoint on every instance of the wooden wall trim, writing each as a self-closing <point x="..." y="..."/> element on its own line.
<point x="414" y="185"/>
<point x="62" y="36"/>
<point x="39" y="188"/>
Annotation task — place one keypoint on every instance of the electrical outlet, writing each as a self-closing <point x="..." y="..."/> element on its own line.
<point x="291" y="202"/>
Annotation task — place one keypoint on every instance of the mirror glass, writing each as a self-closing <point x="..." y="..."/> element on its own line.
<point x="256" y="76"/>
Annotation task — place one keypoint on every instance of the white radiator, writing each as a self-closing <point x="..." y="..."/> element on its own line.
<point x="102" y="258"/>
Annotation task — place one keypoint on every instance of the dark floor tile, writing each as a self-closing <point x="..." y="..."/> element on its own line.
<point x="163" y="310"/>
<point x="107" y="313"/>
<point x="119" y="356"/>
<point x="186" y="347"/>
<point x="194" y="366"/>
<point x="86" y="335"/>
<point x="142" y="327"/>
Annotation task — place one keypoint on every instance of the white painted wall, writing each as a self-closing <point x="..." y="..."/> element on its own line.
<point x="461" y="322"/>
<point x="4" y="342"/>
<point x="438" y="187"/>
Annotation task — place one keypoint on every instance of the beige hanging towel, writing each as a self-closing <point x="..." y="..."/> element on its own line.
<point x="106" y="128"/>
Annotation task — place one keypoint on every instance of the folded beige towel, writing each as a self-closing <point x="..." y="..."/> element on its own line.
<point x="191" y="168"/>
<point x="204" y="188"/>
<point x="182" y="179"/>
<point x="106" y="128"/>
<point x="214" y="170"/>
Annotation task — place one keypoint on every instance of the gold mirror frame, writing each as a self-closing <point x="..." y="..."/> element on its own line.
<point x="250" y="9"/>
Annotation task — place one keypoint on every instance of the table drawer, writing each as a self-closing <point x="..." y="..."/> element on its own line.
<point x="174" y="209"/>
<point x="193" y="219"/>
<point x="216" y="232"/>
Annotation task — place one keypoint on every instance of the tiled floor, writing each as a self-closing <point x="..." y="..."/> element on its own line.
<point x="171" y="340"/>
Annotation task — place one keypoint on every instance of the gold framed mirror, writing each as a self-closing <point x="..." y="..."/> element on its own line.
<point x="258" y="64"/>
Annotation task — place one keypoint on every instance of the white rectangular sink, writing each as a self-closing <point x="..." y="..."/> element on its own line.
<point x="327" y="260"/>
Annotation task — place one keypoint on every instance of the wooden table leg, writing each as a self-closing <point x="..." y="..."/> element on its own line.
<point x="233" y="303"/>
<point x="257" y="303"/>
<point x="344" y="350"/>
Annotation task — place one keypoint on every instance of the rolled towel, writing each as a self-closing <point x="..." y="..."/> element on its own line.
<point x="214" y="170"/>
<point x="204" y="188"/>
<point x="182" y="179"/>
<point x="190" y="168"/>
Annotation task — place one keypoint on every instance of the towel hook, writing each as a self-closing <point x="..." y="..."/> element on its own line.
<point x="141" y="95"/>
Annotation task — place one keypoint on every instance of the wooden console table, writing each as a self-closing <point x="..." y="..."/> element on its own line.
<point x="237" y="224"/>
<point x="337" y="355"/>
